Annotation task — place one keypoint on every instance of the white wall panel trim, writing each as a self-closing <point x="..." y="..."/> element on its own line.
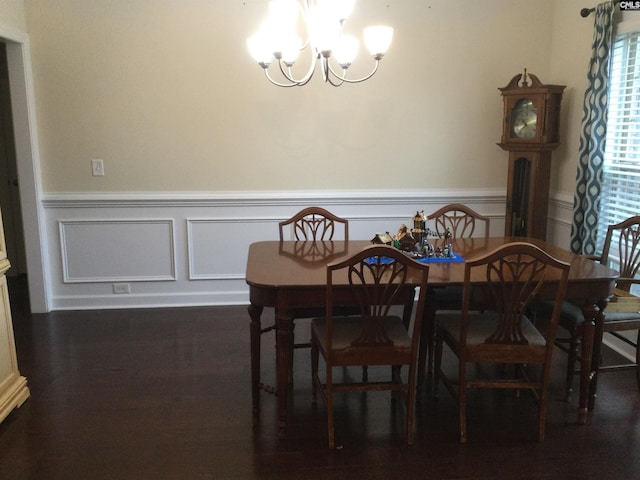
<point x="269" y="198"/>
<point x="132" y="250"/>
<point x="213" y="242"/>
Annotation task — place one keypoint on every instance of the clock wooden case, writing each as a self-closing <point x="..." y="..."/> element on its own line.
<point x="530" y="131"/>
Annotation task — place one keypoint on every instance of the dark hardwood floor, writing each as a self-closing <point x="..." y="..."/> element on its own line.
<point x="164" y="394"/>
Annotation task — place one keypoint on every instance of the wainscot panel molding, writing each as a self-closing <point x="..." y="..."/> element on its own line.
<point x="129" y="250"/>
<point x="559" y="220"/>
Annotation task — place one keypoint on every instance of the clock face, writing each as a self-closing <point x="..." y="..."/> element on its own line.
<point x="524" y="119"/>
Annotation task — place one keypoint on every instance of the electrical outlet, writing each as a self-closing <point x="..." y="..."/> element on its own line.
<point x="120" y="288"/>
<point x="97" y="167"/>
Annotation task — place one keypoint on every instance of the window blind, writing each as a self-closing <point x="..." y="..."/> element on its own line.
<point x="621" y="173"/>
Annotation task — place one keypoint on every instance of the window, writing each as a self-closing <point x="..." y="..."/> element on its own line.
<point x="620" y="197"/>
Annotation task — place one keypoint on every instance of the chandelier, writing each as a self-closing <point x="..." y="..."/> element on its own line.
<point x="281" y="39"/>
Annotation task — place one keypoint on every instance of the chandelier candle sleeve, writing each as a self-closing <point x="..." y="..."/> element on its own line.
<point x="279" y="40"/>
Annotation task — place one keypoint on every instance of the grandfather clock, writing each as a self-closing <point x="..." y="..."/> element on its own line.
<point x="529" y="134"/>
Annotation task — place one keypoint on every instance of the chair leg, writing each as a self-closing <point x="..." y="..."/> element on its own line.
<point x="395" y="378"/>
<point x="542" y="414"/>
<point x="462" y="401"/>
<point x="574" y="342"/>
<point x="254" y="313"/>
<point x="293" y="342"/>
<point x="330" y="424"/>
<point x="314" y="372"/>
<point x="430" y="342"/>
<point x="437" y="365"/>
<point x="411" y="403"/>
<point x="638" y="359"/>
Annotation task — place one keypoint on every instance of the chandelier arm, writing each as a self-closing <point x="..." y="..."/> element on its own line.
<point x="306" y="80"/>
<point x="358" y="80"/>
<point x="293" y="83"/>
<point x="303" y="81"/>
<point x="312" y="67"/>
<point x="328" y="74"/>
<point x="266" y="73"/>
<point x="330" y="78"/>
<point x="324" y="66"/>
<point x="286" y="75"/>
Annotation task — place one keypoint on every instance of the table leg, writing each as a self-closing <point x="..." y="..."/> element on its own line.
<point x="592" y="331"/>
<point x="597" y="352"/>
<point x="284" y="349"/>
<point x="255" y="312"/>
<point x="425" y="352"/>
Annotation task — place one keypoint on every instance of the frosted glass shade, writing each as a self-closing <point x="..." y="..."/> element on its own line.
<point x="378" y="39"/>
<point x="259" y="49"/>
<point x="346" y="50"/>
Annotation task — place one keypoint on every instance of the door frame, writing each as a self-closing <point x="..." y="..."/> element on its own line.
<point x="28" y="161"/>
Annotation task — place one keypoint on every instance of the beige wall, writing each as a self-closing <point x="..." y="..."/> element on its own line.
<point x="165" y="92"/>
<point x="167" y="95"/>
<point x="12" y="13"/>
<point x="572" y="36"/>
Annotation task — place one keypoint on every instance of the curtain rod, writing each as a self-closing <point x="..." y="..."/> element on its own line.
<point x="585" y="12"/>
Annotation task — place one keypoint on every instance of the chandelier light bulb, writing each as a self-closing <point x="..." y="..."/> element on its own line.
<point x="324" y="29"/>
<point x="290" y="50"/>
<point x="346" y="50"/>
<point x="378" y="39"/>
<point x="260" y="50"/>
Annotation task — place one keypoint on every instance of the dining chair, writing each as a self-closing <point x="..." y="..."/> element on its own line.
<point x="314" y="223"/>
<point x="379" y="277"/>
<point x="462" y="222"/>
<point x="506" y="280"/>
<point x="310" y="225"/>
<point x="621" y="251"/>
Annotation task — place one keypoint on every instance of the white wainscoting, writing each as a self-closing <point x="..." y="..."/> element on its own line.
<point x="191" y="249"/>
<point x="117" y="250"/>
<point x="559" y="216"/>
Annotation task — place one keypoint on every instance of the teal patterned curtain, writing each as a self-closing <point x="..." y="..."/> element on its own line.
<point x="586" y="201"/>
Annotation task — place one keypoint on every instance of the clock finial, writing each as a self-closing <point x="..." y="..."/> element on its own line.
<point x="524" y="79"/>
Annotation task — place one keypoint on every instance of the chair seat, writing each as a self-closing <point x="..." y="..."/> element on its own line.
<point x="481" y="326"/>
<point x="571" y="315"/>
<point x="345" y="329"/>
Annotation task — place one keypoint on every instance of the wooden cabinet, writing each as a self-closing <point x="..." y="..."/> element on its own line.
<point x="13" y="386"/>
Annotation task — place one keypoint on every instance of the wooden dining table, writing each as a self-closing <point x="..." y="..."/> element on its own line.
<point x="287" y="275"/>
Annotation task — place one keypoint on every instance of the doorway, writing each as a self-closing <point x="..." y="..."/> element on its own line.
<point x="18" y="65"/>
<point x="9" y="193"/>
